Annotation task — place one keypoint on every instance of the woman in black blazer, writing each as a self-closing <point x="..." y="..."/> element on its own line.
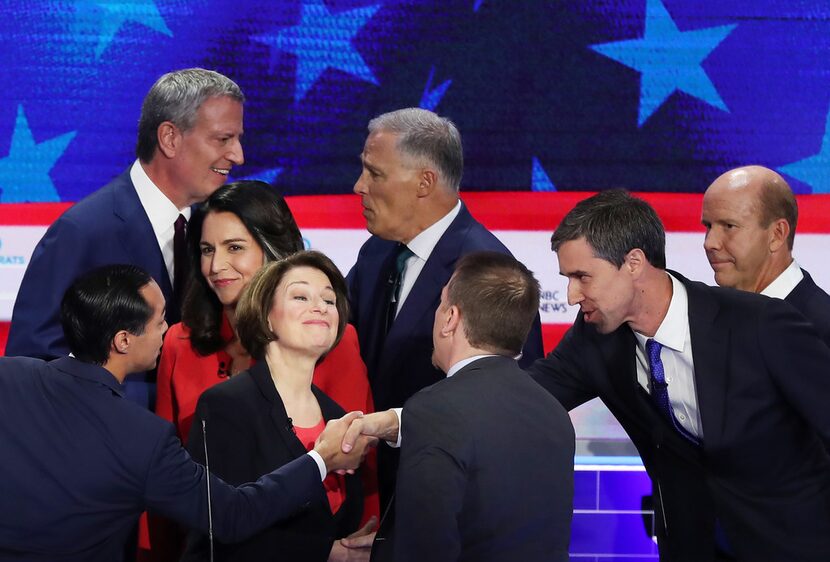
<point x="292" y="312"/>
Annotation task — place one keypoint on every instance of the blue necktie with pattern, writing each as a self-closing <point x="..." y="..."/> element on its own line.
<point x="660" y="390"/>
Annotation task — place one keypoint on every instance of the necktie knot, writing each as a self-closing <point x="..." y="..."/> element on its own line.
<point x="653" y="349"/>
<point x="179" y="259"/>
<point x="180" y="224"/>
<point x="404" y="253"/>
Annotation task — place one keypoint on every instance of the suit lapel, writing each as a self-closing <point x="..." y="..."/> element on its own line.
<point x="618" y="353"/>
<point x="710" y="352"/>
<point x="137" y="236"/>
<point x="425" y="295"/>
<point x="276" y="409"/>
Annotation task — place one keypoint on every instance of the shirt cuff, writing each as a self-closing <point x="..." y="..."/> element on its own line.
<point x="320" y="463"/>
<point x="397" y="442"/>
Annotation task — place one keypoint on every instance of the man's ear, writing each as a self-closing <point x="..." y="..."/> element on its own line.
<point x="451" y="320"/>
<point x="634" y="261"/>
<point x="779" y="230"/>
<point x="427" y="182"/>
<point x="121" y="342"/>
<point x="169" y="139"/>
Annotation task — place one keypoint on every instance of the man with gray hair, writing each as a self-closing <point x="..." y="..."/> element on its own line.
<point x="412" y="165"/>
<point x="188" y="140"/>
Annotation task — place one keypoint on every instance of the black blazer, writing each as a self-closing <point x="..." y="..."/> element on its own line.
<point x="761" y="376"/>
<point x="248" y="431"/>
<point x="813" y="303"/>
<point x="486" y="470"/>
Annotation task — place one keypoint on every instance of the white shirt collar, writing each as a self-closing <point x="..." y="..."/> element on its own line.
<point x="160" y="210"/>
<point x="784" y="284"/>
<point x="675" y="326"/>
<point x="464" y="362"/>
<point x="423" y="244"/>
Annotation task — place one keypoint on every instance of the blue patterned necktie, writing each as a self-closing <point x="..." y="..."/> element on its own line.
<point x="660" y="390"/>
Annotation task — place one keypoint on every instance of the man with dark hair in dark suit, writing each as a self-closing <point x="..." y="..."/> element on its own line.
<point x="723" y="392"/>
<point x="188" y="140"/>
<point x="750" y="215"/>
<point x="412" y="166"/>
<point x="486" y="470"/>
<point x="80" y="463"/>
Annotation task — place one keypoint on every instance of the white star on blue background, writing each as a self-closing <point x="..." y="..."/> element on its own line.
<point x="24" y="173"/>
<point x="144" y="12"/>
<point x="814" y="170"/>
<point x="539" y="179"/>
<point x="668" y="59"/>
<point x="323" y="40"/>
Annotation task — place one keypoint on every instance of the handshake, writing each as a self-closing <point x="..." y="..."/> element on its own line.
<point x="345" y="441"/>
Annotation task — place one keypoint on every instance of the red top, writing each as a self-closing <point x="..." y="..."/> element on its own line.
<point x="334" y="483"/>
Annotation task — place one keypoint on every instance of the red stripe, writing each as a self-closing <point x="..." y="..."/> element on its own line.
<point x="504" y="210"/>
<point x="551" y="334"/>
<point x="4" y="335"/>
<point x="26" y="214"/>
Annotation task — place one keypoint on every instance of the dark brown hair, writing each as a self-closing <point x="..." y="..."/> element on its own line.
<point x="256" y="300"/>
<point x="498" y="298"/>
<point x="613" y="223"/>
<point x="266" y="216"/>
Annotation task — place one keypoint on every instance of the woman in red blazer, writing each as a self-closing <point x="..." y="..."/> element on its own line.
<point x="242" y="226"/>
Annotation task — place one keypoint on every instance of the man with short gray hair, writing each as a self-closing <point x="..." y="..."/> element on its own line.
<point x="412" y="166"/>
<point x="188" y="141"/>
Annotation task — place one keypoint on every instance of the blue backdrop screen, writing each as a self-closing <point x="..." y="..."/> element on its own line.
<point x="652" y="95"/>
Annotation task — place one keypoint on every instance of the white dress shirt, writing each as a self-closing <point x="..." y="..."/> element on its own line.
<point x="676" y="355"/>
<point x="422" y="246"/>
<point x="161" y="212"/>
<point x="784" y="284"/>
<point x="464" y="362"/>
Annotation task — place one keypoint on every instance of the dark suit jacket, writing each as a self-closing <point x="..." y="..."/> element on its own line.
<point x="401" y="364"/>
<point x="761" y="379"/>
<point x="486" y="470"/>
<point x="108" y="227"/>
<point x="249" y="434"/>
<point x="80" y="463"/>
<point x="811" y="301"/>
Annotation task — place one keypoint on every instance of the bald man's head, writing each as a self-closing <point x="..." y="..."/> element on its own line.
<point x="750" y="215"/>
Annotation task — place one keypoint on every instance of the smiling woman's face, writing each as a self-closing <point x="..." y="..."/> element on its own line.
<point x="230" y="256"/>
<point x="303" y="312"/>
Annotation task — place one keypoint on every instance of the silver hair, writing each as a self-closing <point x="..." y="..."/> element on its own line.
<point x="176" y="97"/>
<point x="425" y="136"/>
